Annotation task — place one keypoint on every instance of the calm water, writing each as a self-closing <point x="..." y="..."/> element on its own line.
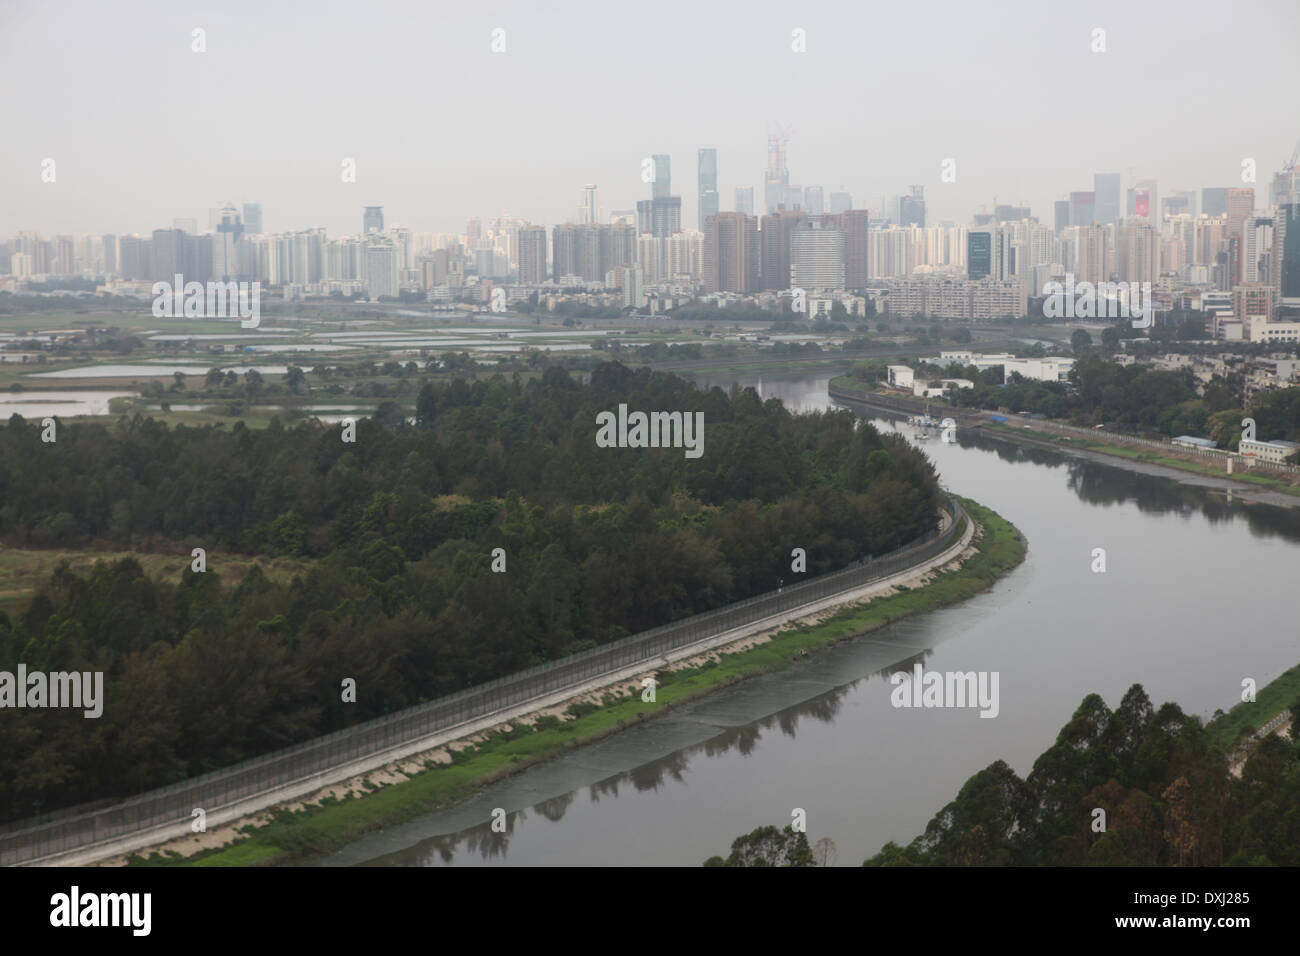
<point x="1193" y="600"/>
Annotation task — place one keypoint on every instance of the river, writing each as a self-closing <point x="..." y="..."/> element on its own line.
<point x="1194" y="598"/>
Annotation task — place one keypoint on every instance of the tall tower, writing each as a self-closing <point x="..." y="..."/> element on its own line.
<point x="663" y="177"/>
<point x="708" y="185"/>
<point x="777" y="176"/>
<point x="589" y="211"/>
<point x="372" y="220"/>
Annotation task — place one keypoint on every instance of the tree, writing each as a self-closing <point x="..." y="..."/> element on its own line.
<point x="295" y="379"/>
<point x="1080" y="341"/>
<point x="824" y="851"/>
<point x="767" y="846"/>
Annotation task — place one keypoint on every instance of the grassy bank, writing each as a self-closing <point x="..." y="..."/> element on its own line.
<point x="1246" y="718"/>
<point x="1148" y="456"/>
<point x="320" y="829"/>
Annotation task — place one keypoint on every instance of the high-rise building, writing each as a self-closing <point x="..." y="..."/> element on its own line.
<point x="659" y="217"/>
<point x="911" y="208"/>
<point x="589" y="211"/>
<point x="532" y="254"/>
<point x="979" y="254"/>
<point x="1138" y="252"/>
<point x="226" y="246"/>
<point x="253" y="218"/>
<point x="817" y="258"/>
<point x="777" y="175"/>
<point x="189" y="226"/>
<point x="708" y="185"/>
<point x="1286" y="254"/>
<point x="133" y="257"/>
<point x="775" y="242"/>
<point x="814" y="203"/>
<point x="662" y="186"/>
<point x="1005" y="212"/>
<point x="841" y="202"/>
<point x="591" y="251"/>
<point x="372" y="220"/>
<point x="1144" y="201"/>
<point x="108" y="247"/>
<point x="745" y="200"/>
<point x="473" y="233"/>
<point x="1082" y="208"/>
<point x="1256" y="242"/>
<point x="381" y="269"/>
<point x="1092" y="258"/>
<point x="1061" y="215"/>
<point x="1105" y="190"/>
<point x="731" y="253"/>
<point x="1240" y="204"/>
<point x="1214" y="201"/>
<point x="855" y="225"/>
<point x="167" y="254"/>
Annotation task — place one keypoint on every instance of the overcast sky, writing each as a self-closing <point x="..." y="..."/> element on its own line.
<point x="143" y="130"/>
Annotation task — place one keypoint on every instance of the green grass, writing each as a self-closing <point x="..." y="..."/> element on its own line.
<point x="1246" y="718"/>
<point x="315" y="830"/>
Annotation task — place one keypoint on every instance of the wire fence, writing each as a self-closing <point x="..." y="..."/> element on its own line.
<point x="89" y="824"/>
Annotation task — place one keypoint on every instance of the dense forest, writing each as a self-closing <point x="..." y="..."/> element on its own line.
<point x="1164" y="785"/>
<point x="399" y="528"/>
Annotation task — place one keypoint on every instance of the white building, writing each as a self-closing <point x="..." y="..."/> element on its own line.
<point x="1275" y="452"/>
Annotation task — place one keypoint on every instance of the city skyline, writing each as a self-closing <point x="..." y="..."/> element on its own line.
<point x="1042" y="141"/>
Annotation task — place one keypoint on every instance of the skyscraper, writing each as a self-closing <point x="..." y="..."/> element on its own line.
<point x="775" y="243"/>
<point x="1061" y="214"/>
<point x="1286" y="254"/>
<point x="659" y="217"/>
<point x="1214" y="201"/>
<point x="813" y="202"/>
<point x="661" y="187"/>
<point x="817" y="258"/>
<point x="589" y="211"/>
<point x="1240" y="204"/>
<point x="777" y="176"/>
<point x="731" y="253"/>
<point x="372" y="220"/>
<point x="1144" y="201"/>
<point x="532" y="254"/>
<point x="1105" y="190"/>
<point x="911" y="208"/>
<point x="841" y="202"/>
<point x="253" y="218"/>
<point x="1138" y="253"/>
<point x="854" y="223"/>
<point x="708" y="185"/>
<point x="979" y="254"/>
<point x="745" y="200"/>
<point x="1082" y="206"/>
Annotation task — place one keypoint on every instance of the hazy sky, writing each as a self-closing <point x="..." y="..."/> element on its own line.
<point x="143" y="130"/>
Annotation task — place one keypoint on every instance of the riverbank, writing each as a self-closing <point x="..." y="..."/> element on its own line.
<point x="1278" y="489"/>
<point x="445" y="778"/>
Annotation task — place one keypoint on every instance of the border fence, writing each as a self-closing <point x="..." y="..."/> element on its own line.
<point x="88" y="824"/>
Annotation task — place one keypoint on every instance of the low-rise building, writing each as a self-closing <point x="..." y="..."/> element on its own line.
<point x="1275" y="452"/>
